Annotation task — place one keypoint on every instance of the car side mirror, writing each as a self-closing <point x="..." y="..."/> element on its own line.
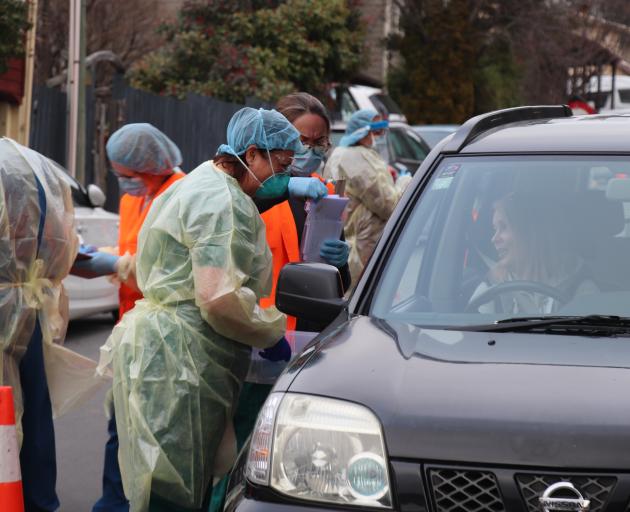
<point x="96" y="195"/>
<point x="313" y="291"/>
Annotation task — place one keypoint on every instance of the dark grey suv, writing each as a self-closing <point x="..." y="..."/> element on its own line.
<point x="482" y="363"/>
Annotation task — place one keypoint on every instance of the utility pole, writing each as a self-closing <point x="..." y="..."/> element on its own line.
<point x="75" y="156"/>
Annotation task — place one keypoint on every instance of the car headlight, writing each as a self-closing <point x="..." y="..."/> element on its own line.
<point x="320" y="449"/>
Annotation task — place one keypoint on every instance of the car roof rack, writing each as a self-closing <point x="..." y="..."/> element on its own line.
<point x="477" y="125"/>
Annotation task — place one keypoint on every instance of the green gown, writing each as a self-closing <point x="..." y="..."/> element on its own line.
<point x="181" y="355"/>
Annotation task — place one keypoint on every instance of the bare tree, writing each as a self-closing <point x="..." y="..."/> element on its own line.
<point x="129" y="29"/>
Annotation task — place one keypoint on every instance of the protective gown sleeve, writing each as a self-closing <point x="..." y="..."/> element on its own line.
<point x="367" y="177"/>
<point x="231" y="266"/>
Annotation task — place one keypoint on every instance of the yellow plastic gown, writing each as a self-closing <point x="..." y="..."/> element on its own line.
<point x="30" y="277"/>
<point x="181" y="354"/>
<point x="373" y="197"/>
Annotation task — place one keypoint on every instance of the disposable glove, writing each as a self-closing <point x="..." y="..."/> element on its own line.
<point x="100" y="264"/>
<point x="307" y="188"/>
<point x="335" y="252"/>
<point x="281" y="351"/>
<point x="87" y="249"/>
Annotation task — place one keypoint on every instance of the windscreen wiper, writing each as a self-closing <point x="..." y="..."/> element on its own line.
<point x="583" y="324"/>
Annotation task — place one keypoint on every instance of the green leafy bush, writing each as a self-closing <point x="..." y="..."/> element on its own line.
<point x="13" y="27"/>
<point x="231" y="51"/>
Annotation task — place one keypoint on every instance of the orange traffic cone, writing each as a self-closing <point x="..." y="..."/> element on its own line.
<point x="11" y="498"/>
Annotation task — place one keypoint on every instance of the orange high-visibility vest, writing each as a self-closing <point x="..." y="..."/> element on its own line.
<point x="282" y="238"/>
<point x="133" y="211"/>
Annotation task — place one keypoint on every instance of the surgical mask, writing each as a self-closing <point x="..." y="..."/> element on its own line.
<point x="274" y="186"/>
<point x="380" y="144"/>
<point x="307" y="162"/>
<point x="132" y="186"/>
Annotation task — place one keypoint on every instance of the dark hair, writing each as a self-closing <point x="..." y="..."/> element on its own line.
<point x="232" y="163"/>
<point x="297" y="104"/>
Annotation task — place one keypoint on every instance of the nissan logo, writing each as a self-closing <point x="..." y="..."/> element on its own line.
<point x="574" y="503"/>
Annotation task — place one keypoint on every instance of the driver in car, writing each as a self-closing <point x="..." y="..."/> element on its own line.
<point x="536" y="272"/>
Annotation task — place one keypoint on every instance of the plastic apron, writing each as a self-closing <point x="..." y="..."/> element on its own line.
<point x="373" y="197"/>
<point x="181" y="355"/>
<point x="31" y="276"/>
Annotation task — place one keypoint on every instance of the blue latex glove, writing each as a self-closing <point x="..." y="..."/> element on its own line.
<point x="335" y="252"/>
<point x="281" y="351"/>
<point x="87" y="249"/>
<point x="307" y="188"/>
<point x="100" y="264"/>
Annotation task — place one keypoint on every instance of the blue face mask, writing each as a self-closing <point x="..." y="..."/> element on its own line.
<point x="132" y="186"/>
<point x="307" y="162"/>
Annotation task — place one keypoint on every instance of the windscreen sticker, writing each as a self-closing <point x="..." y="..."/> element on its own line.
<point x="449" y="171"/>
<point x="441" y="183"/>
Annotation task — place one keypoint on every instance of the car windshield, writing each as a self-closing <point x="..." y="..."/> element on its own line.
<point x="495" y="238"/>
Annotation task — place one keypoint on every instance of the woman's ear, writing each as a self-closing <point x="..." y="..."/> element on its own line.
<point x="250" y="154"/>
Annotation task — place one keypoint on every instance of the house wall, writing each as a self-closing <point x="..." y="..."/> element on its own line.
<point x="381" y="18"/>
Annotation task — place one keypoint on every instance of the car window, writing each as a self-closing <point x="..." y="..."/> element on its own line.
<point x="383" y="103"/>
<point x="498" y="237"/>
<point x="624" y="95"/>
<point x="335" y="137"/>
<point x="406" y="145"/>
<point x="347" y="106"/>
<point x="432" y="137"/>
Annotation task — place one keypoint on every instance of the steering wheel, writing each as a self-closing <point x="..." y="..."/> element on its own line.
<point x="515" y="286"/>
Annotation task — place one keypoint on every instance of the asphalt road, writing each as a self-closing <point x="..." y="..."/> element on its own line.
<point x="81" y="434"/>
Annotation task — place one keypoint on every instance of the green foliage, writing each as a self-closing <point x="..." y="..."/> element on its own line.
<point x="454" y="64"/>
<point x="13" y="27"/>
<point x="435" y="83"/>
<point x="233" y="50"/>
<point x="497" y="79"/>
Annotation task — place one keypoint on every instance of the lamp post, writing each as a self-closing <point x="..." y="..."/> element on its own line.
<point x="75" y="156"/>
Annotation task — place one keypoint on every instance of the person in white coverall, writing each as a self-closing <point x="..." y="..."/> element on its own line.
<point x="369" y="186"/>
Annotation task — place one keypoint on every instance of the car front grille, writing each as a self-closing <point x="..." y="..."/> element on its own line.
<point x="597" y="489"/>
<point x="458" y="489"/>
<point x="465" y="491"/>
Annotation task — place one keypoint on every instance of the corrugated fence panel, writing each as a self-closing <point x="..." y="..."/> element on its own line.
<point x="196" y="124"/>
<point x="48" y="123"/>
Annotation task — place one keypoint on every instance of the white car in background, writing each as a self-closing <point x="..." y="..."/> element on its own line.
<point x="344" y="100"/>
<point x="98" y="227"/>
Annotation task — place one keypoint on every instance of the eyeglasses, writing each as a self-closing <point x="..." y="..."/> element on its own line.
<point x="283" y="161"/>
<point x="321" y="144"/>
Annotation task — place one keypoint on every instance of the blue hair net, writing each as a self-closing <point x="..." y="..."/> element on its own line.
<point x="141" y="147"/>
<point x="264" y="129"/>
<point x="358" y="127"/>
